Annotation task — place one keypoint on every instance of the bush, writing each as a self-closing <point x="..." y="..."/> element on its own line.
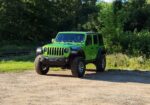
<point x="136" y="43"/>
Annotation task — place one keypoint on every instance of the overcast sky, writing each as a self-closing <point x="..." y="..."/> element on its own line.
<point x="106" y="0"/>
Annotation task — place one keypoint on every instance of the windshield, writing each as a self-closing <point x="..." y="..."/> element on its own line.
<point x="70" y="37"/>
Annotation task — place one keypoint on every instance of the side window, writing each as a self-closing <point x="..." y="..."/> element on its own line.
<point x="95" y="39"/>
<point x="89" y="40"/>
<point x="101" y="42"/>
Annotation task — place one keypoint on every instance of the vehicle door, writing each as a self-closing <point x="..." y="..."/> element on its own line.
<point x="89" y="48"/>
<point x="95" y="45"/>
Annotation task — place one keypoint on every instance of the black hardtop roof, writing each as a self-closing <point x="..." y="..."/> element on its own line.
<point x="80" y="32"/>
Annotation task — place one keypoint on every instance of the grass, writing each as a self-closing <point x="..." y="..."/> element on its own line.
<point x="15" y="66"/>
<point x="17" y="63"/>
<point x="114" y="61"/>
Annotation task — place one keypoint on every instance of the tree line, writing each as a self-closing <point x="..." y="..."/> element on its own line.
<point x="36" y="20"/>
<point x="125" y="24"/>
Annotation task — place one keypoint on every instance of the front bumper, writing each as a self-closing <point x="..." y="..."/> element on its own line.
<point x="54" y="62"/>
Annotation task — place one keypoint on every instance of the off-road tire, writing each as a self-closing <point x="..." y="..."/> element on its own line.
<point x="75" y="67"/>
<point x="40" y="68"/>
<point x="101" y="63"/>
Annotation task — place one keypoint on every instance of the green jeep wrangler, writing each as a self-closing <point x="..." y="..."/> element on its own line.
<point x="72" y="50"/>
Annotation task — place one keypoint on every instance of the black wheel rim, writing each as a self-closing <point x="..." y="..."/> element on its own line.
<point x="81" y="67"/>
<point x="44" y="67"/>
<point x="103" y="63"/>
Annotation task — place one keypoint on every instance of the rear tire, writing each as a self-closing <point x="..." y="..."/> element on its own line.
<point x="40" y="68"/>
<point x="78" y="67"/>
<point x="101" y="63"/>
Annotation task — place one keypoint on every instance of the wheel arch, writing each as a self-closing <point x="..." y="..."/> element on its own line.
<point x="79" y="53"/>
<point x="101" y="51"/>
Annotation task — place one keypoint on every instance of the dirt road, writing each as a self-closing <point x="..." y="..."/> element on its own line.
<point x="60" y="88"/>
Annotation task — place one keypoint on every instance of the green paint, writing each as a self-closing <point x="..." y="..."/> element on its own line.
<point x="90" y="50"/>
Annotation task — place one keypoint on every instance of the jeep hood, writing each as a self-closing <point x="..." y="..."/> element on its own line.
<point x="65" y="45"/>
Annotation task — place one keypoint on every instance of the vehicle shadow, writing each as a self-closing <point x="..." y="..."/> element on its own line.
<point x="113" y="75"/>
<point x="116" y="75"/>
<point x="60" y="75"/>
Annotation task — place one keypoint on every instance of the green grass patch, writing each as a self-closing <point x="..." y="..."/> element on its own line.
<point x="15" y="66"/>
<point x="17" y="63"/>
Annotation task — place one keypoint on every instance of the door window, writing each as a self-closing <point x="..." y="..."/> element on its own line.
<point x="100" y="39"/>
<point x="89" y="40"/>
<point x="95" y="39"/>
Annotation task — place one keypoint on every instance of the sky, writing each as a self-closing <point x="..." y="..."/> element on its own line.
<point x="107" y="0"/>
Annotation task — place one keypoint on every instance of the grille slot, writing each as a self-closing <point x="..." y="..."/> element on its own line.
<point x="55" y="51"/>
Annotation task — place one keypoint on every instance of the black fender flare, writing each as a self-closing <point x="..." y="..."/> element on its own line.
<point x="76" y="53"/>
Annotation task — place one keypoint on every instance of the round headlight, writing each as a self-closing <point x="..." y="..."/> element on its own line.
<point x="39" y="50"/>
<point x="66" y="50"/>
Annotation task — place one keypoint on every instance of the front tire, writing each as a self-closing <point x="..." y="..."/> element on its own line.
<point x="78" y="67"/>
<point x="40" y="67"/>
<point x="101" y="63"/>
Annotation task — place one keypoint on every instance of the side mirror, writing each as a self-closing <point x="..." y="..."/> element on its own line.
<point x="53" y="40"/>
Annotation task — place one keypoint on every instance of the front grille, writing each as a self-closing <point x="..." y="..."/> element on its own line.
<point x="55" y="51"/>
